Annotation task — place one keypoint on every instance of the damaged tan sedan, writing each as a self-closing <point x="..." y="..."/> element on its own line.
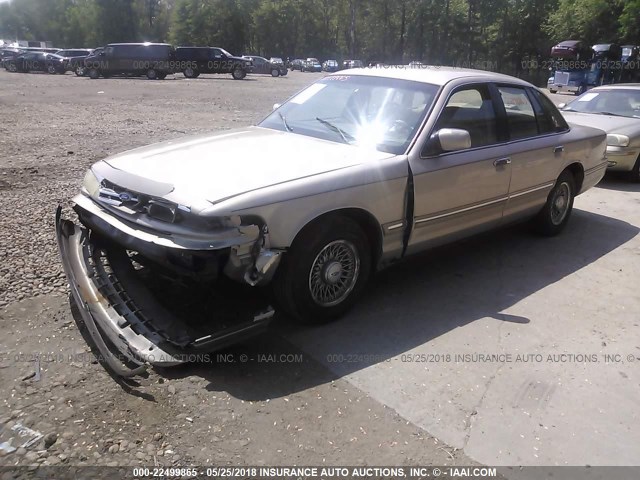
<point x="353" y="173"/>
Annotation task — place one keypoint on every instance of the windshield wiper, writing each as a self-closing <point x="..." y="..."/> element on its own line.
<point x="336" y="129"/>
<point x="612" y="114"/>
<point x="285" y="123"/>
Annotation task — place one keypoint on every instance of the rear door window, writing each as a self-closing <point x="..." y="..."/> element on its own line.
<point x="520" y="115"/>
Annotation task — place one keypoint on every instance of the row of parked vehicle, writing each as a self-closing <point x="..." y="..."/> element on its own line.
<point x="153" y="60"/>
<point x="312" y="64"/>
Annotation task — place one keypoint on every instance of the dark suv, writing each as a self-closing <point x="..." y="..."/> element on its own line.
<point x="155" y="60"/>
<point x="193" y="61"/>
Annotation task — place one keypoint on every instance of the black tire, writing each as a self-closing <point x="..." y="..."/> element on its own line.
<point x="555" y="214"/>
<point x="80" y="71"/>
<point x="552" y="91"/>
<point x="162" y="75"/>
<point x="152" y="74"/>
<point x="581" y="90"/>
<point x="189" y="73"/>
<point x="11" y="67"/>
<point x="275" y="72"/>
<point x="293" y="282"/>
<point x="93" y="73"/>
<point x="51" y="69"/>
<point x="634" y="174"/>
<point x="238" y="73"/>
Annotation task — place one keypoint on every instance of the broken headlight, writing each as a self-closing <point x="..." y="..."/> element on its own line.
<point x="91" y="183"/>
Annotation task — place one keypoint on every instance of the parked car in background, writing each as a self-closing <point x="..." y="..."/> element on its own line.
<point x="296" y="64"/>
<point x="352" y="64"/>
<point x="616" y="110"/>
<point x="74" y="59"/>
<point x="263" y="66"/>
<point x="312" y="65"/>
<point x="194" y="61"/>
<point x="155" y="60"/>
<point x="330" y="66"/>
<point x="7" y="54"/>
<point x="36" y="62"/>
<point x="344" y="178"/>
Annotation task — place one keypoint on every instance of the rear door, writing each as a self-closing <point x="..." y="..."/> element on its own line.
<point x="536" y="150"/>
<point x="462" y="192"/>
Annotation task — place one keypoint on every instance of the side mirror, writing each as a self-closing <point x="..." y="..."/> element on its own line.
<point x="562" y="105"/>
<point x="276" y="106"/>
<point x="447" y="140"/>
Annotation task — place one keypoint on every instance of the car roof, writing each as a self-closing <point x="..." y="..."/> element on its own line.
<point x="140" y="43"/>
<point x="435" y="75"/>
<point x="618" y="86"/>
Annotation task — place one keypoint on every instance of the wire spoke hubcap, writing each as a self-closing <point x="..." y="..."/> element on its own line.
<point x="334" y="273"/>
<point x="560" y="203"/>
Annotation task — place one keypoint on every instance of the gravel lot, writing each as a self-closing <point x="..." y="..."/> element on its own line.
<point x="578" y="293"/>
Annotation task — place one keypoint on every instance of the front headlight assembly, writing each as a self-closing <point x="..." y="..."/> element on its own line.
<point x="91" y="183"/>
<point x="616" y="140"/>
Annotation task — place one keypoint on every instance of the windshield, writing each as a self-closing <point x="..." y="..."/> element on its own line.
<point x="225" y="52"/>
<point x="622" y="102"/>
<point x="380" y="113"/>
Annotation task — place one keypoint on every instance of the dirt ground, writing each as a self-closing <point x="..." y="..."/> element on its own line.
<point x="290" y="402"/>
<point x="279" y="408"/>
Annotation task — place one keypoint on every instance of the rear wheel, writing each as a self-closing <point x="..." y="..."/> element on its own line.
<point x="152" y="74"/>
<point x="162" y="75"/>
<point x="275" y="72"/>
<point x="12" y="67"/>
<point x="324" y="271"/>
<point x="189" y="72"/>
<point x="238" y="73"/>
<point x="94" y="73"/>
<point x="80" y="71"/>
<point x="555" y="214"/>
<point x="552" y="91"/>
<point x="51" y="69"/>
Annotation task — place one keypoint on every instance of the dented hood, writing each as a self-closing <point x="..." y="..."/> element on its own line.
<point x="220" y="166"/>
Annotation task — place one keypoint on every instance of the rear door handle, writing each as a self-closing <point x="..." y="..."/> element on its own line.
<point x="558" y="149"/>
<point x="502" y="162"/>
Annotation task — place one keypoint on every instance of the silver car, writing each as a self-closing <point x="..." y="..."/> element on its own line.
<point x="616" y="110"/>
<point x="355" y="172"/>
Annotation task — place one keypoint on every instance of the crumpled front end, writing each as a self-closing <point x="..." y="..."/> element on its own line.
<point x="161" y="297"/>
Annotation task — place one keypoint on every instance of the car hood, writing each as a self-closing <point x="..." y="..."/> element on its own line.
<point x="220" y="166"/>
<point x="608" y="123"/>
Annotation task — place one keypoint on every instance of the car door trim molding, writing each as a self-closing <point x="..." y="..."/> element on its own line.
<point x="461" y="210"/>
<point x="531" y="190"/>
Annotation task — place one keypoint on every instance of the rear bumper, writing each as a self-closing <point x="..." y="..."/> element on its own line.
<point x="129" y="329"/>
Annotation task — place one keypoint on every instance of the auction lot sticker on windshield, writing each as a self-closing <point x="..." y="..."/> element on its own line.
<point x="588" y="96"/>
<point x="308" y="93"/>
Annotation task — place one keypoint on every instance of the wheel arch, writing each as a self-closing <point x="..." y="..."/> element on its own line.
<point x="361" y="217"/>
<point x="577" y="170"/>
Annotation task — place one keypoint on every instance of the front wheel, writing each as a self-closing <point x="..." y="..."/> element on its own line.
<point x="324" y="271"/>
<point x="51" y="70"/>
<point x="556" y="211"/>
<point x="12" y="67"/>
<point x="275" y="72"/>
<point x="581" y="90"/>
<point x="94" y="73"/>
<point x="189" y="72"/>
<point x="152" y="74"/>
<point x="238" y="73"/>
<point x="80" y="71"/>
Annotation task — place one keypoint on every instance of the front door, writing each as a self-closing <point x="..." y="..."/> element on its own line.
<point x="462" y="192"/>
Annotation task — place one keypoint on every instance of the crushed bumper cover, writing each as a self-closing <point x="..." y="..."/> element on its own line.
<point x="129" y="329"/>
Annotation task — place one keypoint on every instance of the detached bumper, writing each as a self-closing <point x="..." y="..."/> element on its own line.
<point x="129" y="328"/>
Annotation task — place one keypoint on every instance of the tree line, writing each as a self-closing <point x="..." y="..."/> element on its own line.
<point x="498" y="34"/>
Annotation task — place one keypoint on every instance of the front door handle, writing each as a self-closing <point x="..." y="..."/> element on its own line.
<point x="558" y="149"/>
<point x="502" y="162"/>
